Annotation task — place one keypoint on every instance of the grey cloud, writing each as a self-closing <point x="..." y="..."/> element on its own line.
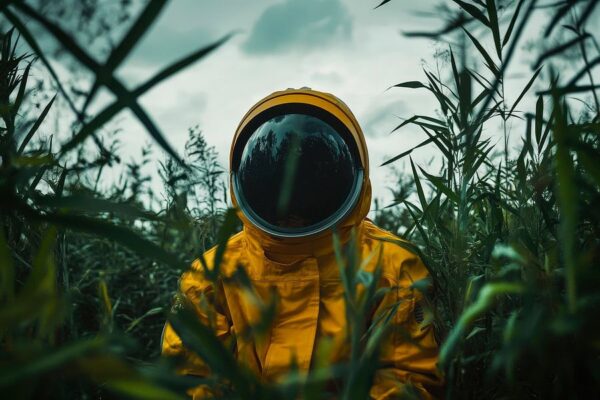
<point x="167" y="44"/>
<point x="299" y="25"/>
<point x="327" y="77"/>
<point x="380" y="119"/>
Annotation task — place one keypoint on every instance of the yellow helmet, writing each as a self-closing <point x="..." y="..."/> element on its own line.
<point x="299" y="165"/>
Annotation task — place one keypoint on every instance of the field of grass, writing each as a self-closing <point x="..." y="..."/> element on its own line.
<point x="510" y="232"/>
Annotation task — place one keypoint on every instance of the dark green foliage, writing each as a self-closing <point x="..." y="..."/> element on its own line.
<point x="511" y="236"/>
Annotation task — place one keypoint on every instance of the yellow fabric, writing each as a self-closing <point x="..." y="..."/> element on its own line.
<point x="305" y="277"/>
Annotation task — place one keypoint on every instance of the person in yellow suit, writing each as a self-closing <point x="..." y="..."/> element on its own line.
<point x="299" y="173"/>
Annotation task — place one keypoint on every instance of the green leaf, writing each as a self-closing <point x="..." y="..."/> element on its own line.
<point x="404" y="154"/>
<point x="35" y="126"/>
<point x="21" y="94"/>
<point x="122" y="101"/>
<point x="473" y="11"/>
<point x="568" y="201"/>
<point x="485" y="300"/>
<point x="489" y="62"/>
<point x="409" y="84"/>
<point x="440" y="185"/>
<point x="493" y="14"/>
<point x="129" y="41"/>
<point x="417" y="180"/>
<point x="511" y="25"/>
<point x="93" y="205"/>
<point x="119" y="234"/>
<point x="559" y="49"/>
<point x="142" y="389"/>
<point x="539" y="119"/>
<point x="110" y="81"/>
<point x="53" y="360"/>
<point x="201" y="340"/>
<point x="382" y="3"/>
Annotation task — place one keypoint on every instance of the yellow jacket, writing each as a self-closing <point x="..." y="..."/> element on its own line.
<point x="305" y="277"/>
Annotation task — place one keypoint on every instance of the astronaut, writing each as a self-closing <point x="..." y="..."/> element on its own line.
<point x="300" y="173"/>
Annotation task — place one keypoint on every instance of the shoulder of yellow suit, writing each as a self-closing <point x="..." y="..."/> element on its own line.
<point x="325" y="101"/>
<point x="230" y="256"/>
<point x="398" y="259"/>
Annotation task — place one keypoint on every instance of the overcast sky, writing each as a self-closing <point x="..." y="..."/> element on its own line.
<point x="339" y="46"/>
<point x="344" y="47"/>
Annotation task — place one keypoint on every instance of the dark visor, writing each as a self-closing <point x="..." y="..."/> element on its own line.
<point x="297" y="174"/>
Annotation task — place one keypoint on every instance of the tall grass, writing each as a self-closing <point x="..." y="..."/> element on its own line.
<point x="509" y="233"/>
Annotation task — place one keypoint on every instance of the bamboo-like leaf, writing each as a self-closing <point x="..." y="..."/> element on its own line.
<point x="560" y="13"/>
<point x="493" y="14"/>
<point x="418" y="185"/>
<point x="35" y="126"/>
<point x="414" y="120"/>
<point x="440" y="185"/>
<point x="119" y="234"/>
<point x="531" y="80"/>
<point x="489" y="62"/>
<point x="32" y="42"/>
<point x="539" y="119"/>
<point x="587" y="67"/>
<point x="114" y="108"/>
<point x="382" y="3"/>
<point x="133" y="36"/>
<point x="511" y="25"/>
<point x="568" y="201"/>
<point x="409" y="84"/>
<point x="93" y="205"/>
<point x="456" y="23"/>
<point x="404" y="154"/>
<point x="111" y="82"/>
<point x="21" y="93"/>
<point x="473" y="11"/>
<point x="559" y="49"/>
<point x="561" y="91"/>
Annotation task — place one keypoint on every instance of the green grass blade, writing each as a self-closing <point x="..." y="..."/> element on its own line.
<point x="511" y="25"/>
<point x="35" y="126"/>
<point x="489" y="62"/>
<point x="525" y="89"/>
<point x="408" y="84"/>
<point x="21" y="93"/>
<point x="560" y="49"/>
<point x="473" y="11"/>
<point x="493" y="14"/>
<point x="133" y="36"/>
<point x="49" y="362"/>
<point x="91" y="204"/>
<point x="124" y="236"/>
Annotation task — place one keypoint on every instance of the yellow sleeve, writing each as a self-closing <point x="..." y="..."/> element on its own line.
<point x="409" y="355"/>
<point x="210" y="308"/>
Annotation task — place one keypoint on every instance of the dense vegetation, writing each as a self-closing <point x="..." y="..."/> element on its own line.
<point x="509" y="229"/>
